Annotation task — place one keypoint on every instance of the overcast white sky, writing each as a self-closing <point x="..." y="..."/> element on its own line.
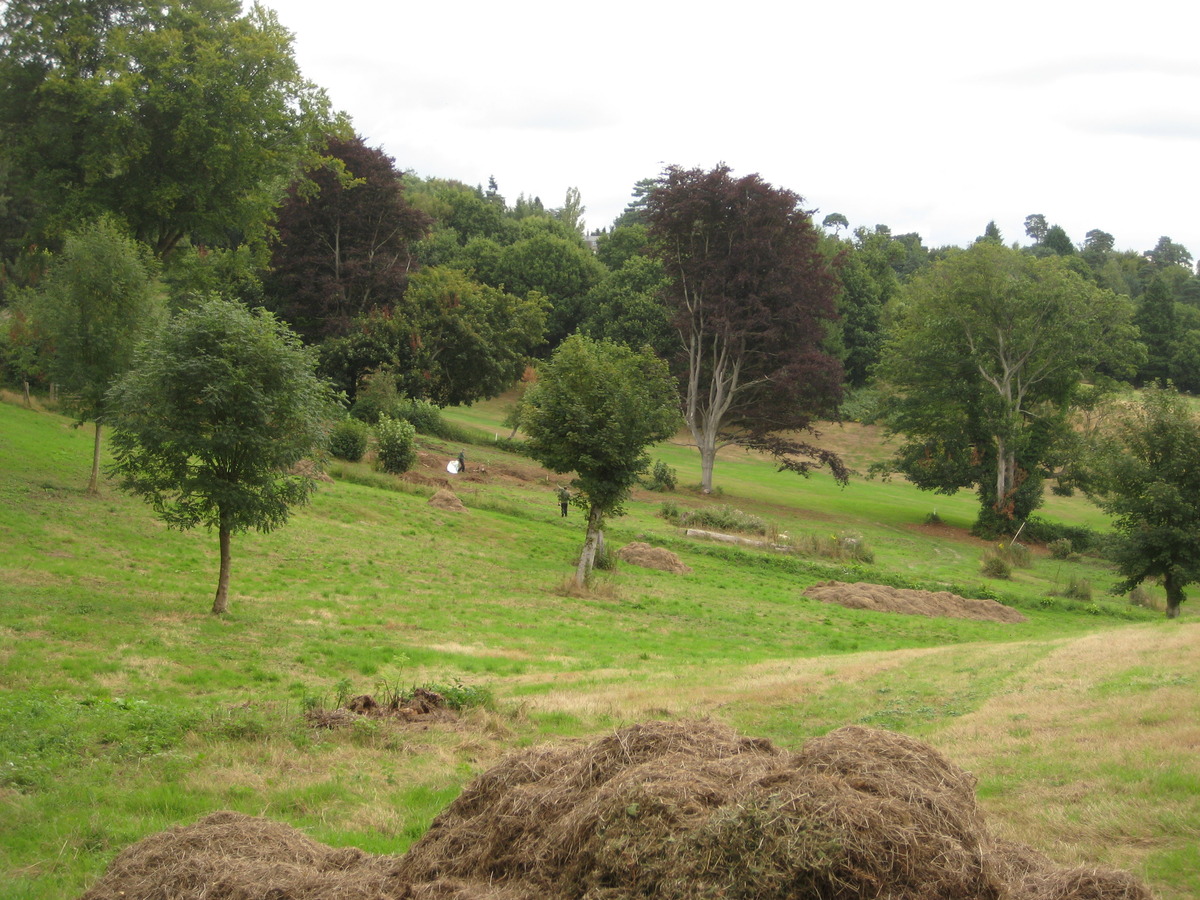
<point x="926" y="116"/>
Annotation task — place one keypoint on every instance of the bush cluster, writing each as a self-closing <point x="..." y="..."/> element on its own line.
<point x="397" y="450"/>
<point x="1061" y="548"/>
<point x="662" y="477"/>
<point x="348" y="439"/>
<point x="1082" y="538"/>
<point x="723" y="518"/>
<point x="840" y="547"/>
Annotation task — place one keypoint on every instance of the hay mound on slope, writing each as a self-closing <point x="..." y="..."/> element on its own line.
<point x="448" y="500"/>
<point x="881" y="598"/>
<point x="639" y="553"/>
<point x="664" y="810"/>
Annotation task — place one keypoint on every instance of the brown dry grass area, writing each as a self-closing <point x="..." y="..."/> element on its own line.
<point x="883" y="598"/>
<point x="667" y="810"/>
<point x="1098" y="706"/>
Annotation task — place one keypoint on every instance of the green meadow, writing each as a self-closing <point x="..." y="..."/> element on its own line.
<point x="126" y="708"/>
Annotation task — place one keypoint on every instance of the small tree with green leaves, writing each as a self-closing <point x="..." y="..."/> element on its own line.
<point x="595" y="409"/>
<point x="1146" y="474"/>
<point x="212" y="417"/>
<point x="93" y="308"/>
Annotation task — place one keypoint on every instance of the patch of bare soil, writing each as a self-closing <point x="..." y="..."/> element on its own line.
<point x="420" y="706"/>
<point x="667" y="810"/>
<point x="882" y="598"/>
<point x="639" y="553"/>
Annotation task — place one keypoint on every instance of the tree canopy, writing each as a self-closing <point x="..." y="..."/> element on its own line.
<point x="346" y="234"/>
<point x="212" y="417"/>
<point x="594" y="410"/>
<point x="752" y="297"/>
<point x="180" y="118"/>
<point x="1145" y="472"/>
<point x="96" y="303"/>
<point x="986" y="355"/>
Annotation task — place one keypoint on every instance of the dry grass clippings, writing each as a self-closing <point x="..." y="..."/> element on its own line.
<point x="664" y="809"/>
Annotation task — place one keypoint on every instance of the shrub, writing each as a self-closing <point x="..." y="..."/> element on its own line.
<point x="670" y="511"/>
<point x="397" y="447"/>
<point x="1078" y="589"/>
<point x="1139" y="596"/>
<point x="605" y="559"/>
<point x="1061" y="548"/>
<point x="348" y="439"/>
<point x="376" y="398"/>
<point x="1082" y="538"/>
<point x="662" y="477"/>
<point x="725" y="518"/>
<point x="840" y="547"/>
<point x="995" y="564"/>
<point x="1016" y="555"/>
<point x="461" y="696"/>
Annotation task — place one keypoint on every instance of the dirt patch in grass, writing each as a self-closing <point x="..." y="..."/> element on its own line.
<point x="663" y="809"/>
<point x="420" y="706"/>
<point x="950" y="533"/>
<point x="883" y="598"/>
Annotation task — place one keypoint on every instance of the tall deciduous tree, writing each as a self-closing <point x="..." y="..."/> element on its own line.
<point x="181" y="118"/>
<point x="94" y="306"/>
<point x="753" y="298"/>
<point x="345" y="238"/>
<point x="595" y="409"/>
<point x="211" y="418"/>
<point x="989" y="349"/>
<point x="1146" y="474"/>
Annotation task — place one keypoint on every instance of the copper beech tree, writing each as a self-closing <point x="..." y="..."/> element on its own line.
<point x="752" y="298"/>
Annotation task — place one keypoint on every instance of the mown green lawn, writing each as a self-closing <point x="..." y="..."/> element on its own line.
<point x="125" y="707"/>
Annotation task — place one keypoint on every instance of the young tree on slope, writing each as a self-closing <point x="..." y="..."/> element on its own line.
<point x="594" y="410"/>
<point x="212" y="416"/>
<point x="1146" y="474"/>
<point x="752" y="297"/>
<point x="94" y="307"/>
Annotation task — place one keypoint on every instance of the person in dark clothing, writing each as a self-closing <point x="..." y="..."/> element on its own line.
<point x="564" y="498"/>
<point x="462" y="462"/>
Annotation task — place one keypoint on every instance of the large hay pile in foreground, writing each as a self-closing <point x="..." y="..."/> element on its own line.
<point x="663" y="810"/>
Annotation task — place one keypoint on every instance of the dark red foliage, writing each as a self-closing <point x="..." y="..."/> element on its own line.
<point x="753" y="296"/>
<point x="344" y="241"/>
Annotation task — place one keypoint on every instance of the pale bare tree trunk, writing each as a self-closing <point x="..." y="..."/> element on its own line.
<point x="28" y="400"/>
<point x="587" y="557"/>
<point x="94" y="481"/>
<point x="708" y="456"/>
<point x="221" y="601"/>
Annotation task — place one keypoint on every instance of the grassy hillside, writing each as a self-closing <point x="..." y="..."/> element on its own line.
<point x="126" y="708"/>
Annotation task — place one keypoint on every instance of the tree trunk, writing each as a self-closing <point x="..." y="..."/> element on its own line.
<point x="587" y="558"/>
<point x="221" y="601"/>
<point x="1006" y="476"/>
<point x="1175" y="595"/>
<point x="94" y="481"/>
<point x="708" y="456"/>
<point x="28" y="400"/>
